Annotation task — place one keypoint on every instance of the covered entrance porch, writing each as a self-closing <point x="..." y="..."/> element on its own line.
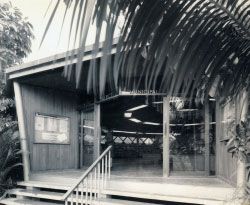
<point x="164" y="148"/>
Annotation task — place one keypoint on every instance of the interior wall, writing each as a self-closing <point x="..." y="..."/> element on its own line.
<point x="50" y="102"/>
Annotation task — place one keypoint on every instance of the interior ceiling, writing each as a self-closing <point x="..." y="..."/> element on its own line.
<point x="113" y="115"/>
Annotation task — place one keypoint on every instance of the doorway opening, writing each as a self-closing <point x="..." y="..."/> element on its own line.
<point x="142" y="146"/>
<point x="191" y="137"/>
<point x="86" y="138"/>
<point x="133" y="126"/>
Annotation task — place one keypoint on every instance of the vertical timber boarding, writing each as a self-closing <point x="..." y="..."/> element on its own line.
<point x="50" y="156"/>
<point x="232" y="165"/>
<point x="166" y="151"/>
<point x="226" y="165"/>
<point x="22" y="130"/>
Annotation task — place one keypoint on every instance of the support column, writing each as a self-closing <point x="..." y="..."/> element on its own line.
<point x="97" y="130"/>
<point x="207" y="140"/>
<point x="22" y="130"/>
<point x="218" y="137"/>
<point x="166" y="151"/>
<point x="241" y="165"/>
<point x="81" y="139"/>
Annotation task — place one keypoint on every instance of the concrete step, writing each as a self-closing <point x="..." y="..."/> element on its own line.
<point x="108" y="201"/>
<point x="154" y="196"/>
<point x="55" y="195"/>
<point x="51" y="186"/>
<point x="48" y="195"/>
<point x="194" y="194"/>
<point x="14" y="201"/>
<point x="45" y="185"/>
<point x="37" y="194"/>
<point x="171" y="190"/>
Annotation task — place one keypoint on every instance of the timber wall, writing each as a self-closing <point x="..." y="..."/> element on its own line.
<point x="227" y="169"/>
<point x="50" y="102"/>
<point x="226" y="164"/>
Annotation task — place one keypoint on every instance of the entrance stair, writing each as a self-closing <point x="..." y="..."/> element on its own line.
<point x="30" y="194"/>
<point x="117" y="193"/>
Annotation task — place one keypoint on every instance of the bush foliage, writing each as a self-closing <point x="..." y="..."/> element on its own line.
<point x="15" y="44"/>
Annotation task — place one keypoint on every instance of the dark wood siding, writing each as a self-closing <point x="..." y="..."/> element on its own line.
<point x="51" y="102"/>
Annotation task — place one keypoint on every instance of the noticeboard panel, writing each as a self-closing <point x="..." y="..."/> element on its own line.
<point x="51" y="129"/>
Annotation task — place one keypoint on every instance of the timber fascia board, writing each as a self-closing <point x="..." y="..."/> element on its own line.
<point x="53" y="62"/>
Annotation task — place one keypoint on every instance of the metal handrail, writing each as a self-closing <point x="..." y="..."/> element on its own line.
<point x="103" y="164"/>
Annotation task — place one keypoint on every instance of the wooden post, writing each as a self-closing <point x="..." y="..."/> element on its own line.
<point x="241" y="166"/>
<point x="207" y="140"/>
<point x="81" y="139"/>
<point x="218" y="136"/>
<point x="166" y="151"/>
<point x="97" y="130"/>
<point x="22" y="130"/>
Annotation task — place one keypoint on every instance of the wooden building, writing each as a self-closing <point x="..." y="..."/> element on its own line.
<point x="163" y="148"/>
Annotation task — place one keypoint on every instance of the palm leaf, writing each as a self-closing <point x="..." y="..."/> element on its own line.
<point x="50" y="20"/>
<point x="188" y="43"/>
<point x="6" y="172"/>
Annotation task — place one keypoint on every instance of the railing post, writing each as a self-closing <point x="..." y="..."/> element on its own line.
<point x="82" y="192"/>
<point x="77" y="195"/>
<point x="102" y="173"/>
<point x="106" y="170"/>
<point x="93" y="181"/>
<point x="91" y="187"/>
<point x="109" y="159"/>
<point x="86" y="197"/>
<point x="72" y="202"/>
<point x="99" y="181"/>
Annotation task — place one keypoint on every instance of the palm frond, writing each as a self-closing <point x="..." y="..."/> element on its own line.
<point x="50" y="20"/>
<point x="188" y="44"/>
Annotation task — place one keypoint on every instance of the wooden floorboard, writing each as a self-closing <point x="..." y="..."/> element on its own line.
<point x="195" y="189"/>
<point x="72" y="175"/>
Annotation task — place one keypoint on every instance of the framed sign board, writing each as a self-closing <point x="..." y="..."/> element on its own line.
<point x="51" y="129"/>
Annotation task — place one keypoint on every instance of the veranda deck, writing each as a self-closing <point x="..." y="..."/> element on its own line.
<point x="196" y="190"/>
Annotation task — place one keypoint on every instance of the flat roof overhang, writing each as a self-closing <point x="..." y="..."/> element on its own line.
<point x="54" y="62"/>
<point x="51" y="67"/>
<point x="49" y="73"/>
